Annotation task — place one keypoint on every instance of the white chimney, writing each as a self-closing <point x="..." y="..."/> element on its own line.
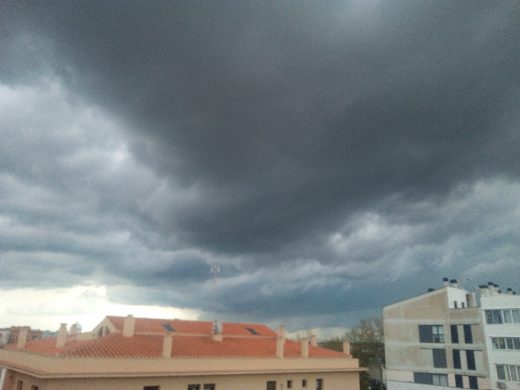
<point x="346" y="347"/>
<point x="129" y="326"/>
<point x="281" y="331"/>
<point x="280" y="344"/>
<point x="61" y="340"/>
<point x="454" y="283"/>
<point x="22" y="338"/>
<point x="167" y="345"/>
<point x="305" y="347"/>
<point x="445" y="282"/>
<point x="74" y="330"/>
<point x="314" y="340"/>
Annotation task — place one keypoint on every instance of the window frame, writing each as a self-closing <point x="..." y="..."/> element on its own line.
<point x="468" y="334"/>
<point x="470" y="360"/>
<point x="454" y="334"/>
<point x="439" y="358"/>
<point x="457" y="361"/>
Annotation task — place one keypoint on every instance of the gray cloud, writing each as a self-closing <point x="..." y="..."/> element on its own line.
<point x="317" y="151"/>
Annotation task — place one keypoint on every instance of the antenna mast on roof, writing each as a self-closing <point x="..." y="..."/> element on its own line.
<point x="215" y="270"/>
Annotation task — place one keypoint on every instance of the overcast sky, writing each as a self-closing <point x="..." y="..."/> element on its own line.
<point x="330" y="156"/>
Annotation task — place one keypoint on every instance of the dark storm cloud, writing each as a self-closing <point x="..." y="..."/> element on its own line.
<point x="289" y="115"/>
<point x="298" y="143"/>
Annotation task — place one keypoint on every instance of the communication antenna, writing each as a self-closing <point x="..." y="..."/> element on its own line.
<point x="215" y="270"/>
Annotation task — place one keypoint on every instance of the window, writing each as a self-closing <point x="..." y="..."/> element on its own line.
<point x="458" y="381"/>
<point x="438" y="333"/>
<point x="501" y="372"/>
<point x="209" y="386"/>
<point x="454" y="334"/>
<point x="431" y="333"/>
<point x="507" y="316"/>
<point x="168" y="327"/>
<point x="271" y="385"/>
<point x="468" y="335"/>
<point x="304" y="382"/>
<point x="455" y="304"/>
<point x="35" y="387"/>
<point x="440" y="379"/>
<point x="193" y="387"/>
<point x="439" y="358"/>
<point x="470" y="357"/>
<point x="19" y="384"/>
<point x="508" y="372"/>
<point x="511" y="343"/>
<point x="456" y="359"/>
<point x="289" y="384"/>
<point x="319" y="384"/>
<point x="252" y="331"/>
<point x="493" y="317"/>
<point x="151" y="388"/>
<point x="473" y="383"/>
<point x="431" y="379"/>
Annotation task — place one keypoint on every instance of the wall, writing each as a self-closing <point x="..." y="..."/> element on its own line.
<point x="331" y="381"/>
<point x="501" y="301"/>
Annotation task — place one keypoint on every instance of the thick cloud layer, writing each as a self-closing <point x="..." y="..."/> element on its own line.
<point x="314" y="150"/>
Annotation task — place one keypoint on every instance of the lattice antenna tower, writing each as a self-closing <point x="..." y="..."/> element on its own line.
<point x="215" y="270"/>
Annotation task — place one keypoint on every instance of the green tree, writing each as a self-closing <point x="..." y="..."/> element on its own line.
<point x="366" y="344"/>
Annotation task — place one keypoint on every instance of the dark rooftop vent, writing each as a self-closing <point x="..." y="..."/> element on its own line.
<point x="453" y="281"/>
<point x="445" y="279"/>
<point x="252" y="331"/>
<point x="168" y="327"/>
<point x="483" y="286"/>
<point x="431" y="289"/>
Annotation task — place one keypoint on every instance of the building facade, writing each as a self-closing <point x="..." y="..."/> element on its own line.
<point x="444" y="338"/>
<point x="155" y="354"/>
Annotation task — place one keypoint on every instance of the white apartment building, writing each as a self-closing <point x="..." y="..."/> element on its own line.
<point x="453" y="338"/>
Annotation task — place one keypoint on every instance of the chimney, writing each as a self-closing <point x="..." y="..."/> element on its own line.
<point x="280" y="342"/>
<point x="167" y="345"/>
<point x="454" y="283"/>
<point x="62" y="336"/>
<point x="129" y="326"/>
<point x="471" y="299"/>
<point x="305" y="347"/>
<point x="314" y="340"/>
<point x="74" y="330"/>
<point x="22" y="338"/>
<point x="216" y="332"/>
<point x="509" y="291"/>
<point x="445" y="282"/>
<point x="346" y="348"/>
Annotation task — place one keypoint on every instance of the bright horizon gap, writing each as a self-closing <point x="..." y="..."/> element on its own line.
<point x="46" y="309"/>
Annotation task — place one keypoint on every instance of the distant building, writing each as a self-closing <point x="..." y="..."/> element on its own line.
<point x="4" y="337"/>
<point x="124" y="353"/>
<point x="453" y="338"/>
<point x="31" y="334"/>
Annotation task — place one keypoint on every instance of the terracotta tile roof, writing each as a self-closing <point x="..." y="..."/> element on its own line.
<point x="187" y="342"/>
<point x="115" y="345"/>
<point x="154" y="325"/>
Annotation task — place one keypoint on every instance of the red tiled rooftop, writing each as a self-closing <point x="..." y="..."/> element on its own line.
<point x="115" y="345"/>
<point x="154" y="325"/>
<point x="190" y="339"/>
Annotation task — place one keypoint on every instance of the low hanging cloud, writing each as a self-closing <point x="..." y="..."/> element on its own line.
<point x="326" y="155"/>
